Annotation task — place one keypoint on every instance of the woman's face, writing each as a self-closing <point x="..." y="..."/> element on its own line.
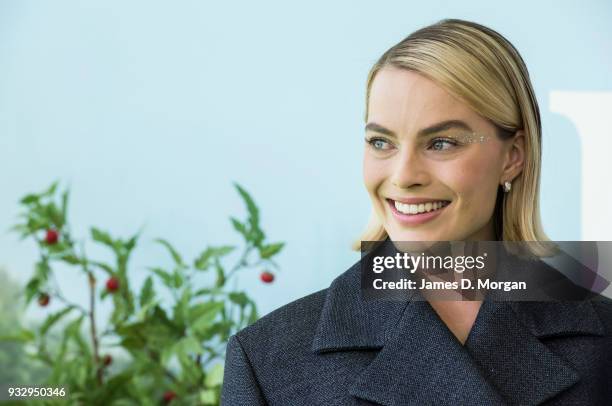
<point x="432" y="166"/>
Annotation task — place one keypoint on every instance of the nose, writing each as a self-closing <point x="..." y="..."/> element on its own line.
<point x="409" y="170"/>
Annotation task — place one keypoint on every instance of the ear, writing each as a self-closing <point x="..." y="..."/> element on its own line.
<point x="514" y="159"/>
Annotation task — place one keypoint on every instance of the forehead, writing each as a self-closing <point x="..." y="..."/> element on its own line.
<point x="403" y="100"/>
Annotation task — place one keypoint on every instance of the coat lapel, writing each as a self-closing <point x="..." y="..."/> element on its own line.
<point x="421" y="362"/>
<point x="506" y="343"/>
<point x="348" y="322"/>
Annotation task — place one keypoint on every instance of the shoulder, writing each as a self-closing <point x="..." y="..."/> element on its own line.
<point x="297" y="317"/>
<point x="278" y="342"/>
<point x="302" y="315"/>
<point x="288" y="332"/>
<point x="278" y="358"/>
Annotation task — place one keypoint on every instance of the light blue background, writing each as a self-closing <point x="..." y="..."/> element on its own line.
<point x="150" y="109"/>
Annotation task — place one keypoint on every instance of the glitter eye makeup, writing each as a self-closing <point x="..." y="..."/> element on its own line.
<point x="471" y="138"/>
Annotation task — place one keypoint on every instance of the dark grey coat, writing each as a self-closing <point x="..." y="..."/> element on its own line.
<point x="333" y="348"/>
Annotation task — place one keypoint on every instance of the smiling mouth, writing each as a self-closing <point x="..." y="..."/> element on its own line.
<point x="420" y="208"/>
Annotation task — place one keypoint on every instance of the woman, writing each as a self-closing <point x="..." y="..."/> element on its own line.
<point x="452" y="153"/>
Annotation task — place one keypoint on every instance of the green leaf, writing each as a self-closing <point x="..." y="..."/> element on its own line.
<point x="105" y="267"/>
<point x="65" y="197"/>
<point x="175" y="255"/>
<point x="102" y="237"/>
<point x="240" y="298"/>
<point x="223" y="250"/>
<point x="181" y="308"/>
<point x="209" y="397"/>
<point x="147" y="293"/>
<point x="32" y="289"/>
<point x="104" y="293"/>
<point x="166" y="277"/>
<point x="270" y="250"/>
<point x="29" y="199"/>
<point x="70" y="258"/>
<point x="36" y="222"/>
<point x="200" y="309"/>
<point x="145" y="310"/>
<point x="208" y="291"/>
<point x="131" y="243"/>
<point x="220" y="274"/>
<point x="238" y="226"/>
<point x="55" y="215"/>
<point x="251" y="207"/>
<point x="189" y="345"/>
<point x="120" y="310"/>
<point x="256" y="236"/>
<point x="191" y="374"/>
<point x="203" y="261"/>
<point x="42" y="270"/>
<point x="177" y="279"/>
<point x="51" y="189"/>
<point x="205" y="320"/>
<point x="73" y="331"/>
<point x="132" y="329"/>
<point x="221" y="328"/>
<point x="214" y="377"/>
<point x="166" y="354"/>
<point x="54" y="318"/>
<point x="58" y="249"/>
<point x="23" y="336"/>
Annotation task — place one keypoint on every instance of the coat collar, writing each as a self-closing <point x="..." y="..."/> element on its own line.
<point x="420" y="360"/>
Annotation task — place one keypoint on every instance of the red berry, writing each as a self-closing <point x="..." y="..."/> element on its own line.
<point x="51" y="237"/>
<point x="266" y="277"/>
<point x="112" y="284"/>
<point x="169" y="396"/>
<point x="107" y="360"/>
<point x="43" y="299"/>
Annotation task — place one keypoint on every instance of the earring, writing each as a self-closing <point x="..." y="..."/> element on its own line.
<point x="507" y="186"/>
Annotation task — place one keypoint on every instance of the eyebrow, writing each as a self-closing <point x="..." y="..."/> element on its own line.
<point x="438" y="127"/>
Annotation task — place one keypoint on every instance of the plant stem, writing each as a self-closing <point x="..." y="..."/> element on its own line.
<point x="92" y="322"/>
<point x="155" y="356"/>
<point x="62" y="299"/>
<point x="241" y="263"/>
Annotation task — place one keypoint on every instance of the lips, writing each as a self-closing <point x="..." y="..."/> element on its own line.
<point x="418" y="210"/>
<point x="417" y="200"/>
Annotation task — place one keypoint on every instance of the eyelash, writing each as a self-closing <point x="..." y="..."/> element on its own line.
<point x="452" y="142"/>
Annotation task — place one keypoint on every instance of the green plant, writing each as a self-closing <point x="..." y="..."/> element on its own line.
<point x="168" y="353"/>
<point x="22" y="369"/>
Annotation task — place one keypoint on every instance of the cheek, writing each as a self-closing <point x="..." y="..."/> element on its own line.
<point x="374" y="173"/>
<point x="475" y="183"/>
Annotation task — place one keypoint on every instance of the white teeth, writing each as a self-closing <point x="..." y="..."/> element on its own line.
<point x="418" y="208"/>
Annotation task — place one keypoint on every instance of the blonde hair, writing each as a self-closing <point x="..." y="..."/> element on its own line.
<point x="482" y="68"/>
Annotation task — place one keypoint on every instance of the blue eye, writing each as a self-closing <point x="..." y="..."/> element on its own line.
<point x="378" y="144"/>
<point x="442" y="144"/>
